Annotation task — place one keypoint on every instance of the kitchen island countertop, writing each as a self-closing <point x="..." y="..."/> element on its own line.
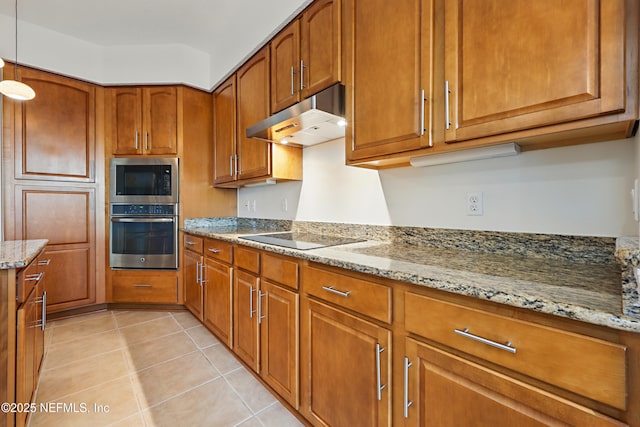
<point x="19" y="253"/>
<point x="588" y="292"/>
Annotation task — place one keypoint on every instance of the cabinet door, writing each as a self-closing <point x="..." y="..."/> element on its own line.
<point x="340" y="374"/>
<point x="126" y="116"/>
<point x="25" y="355"/>
<point x="254" y="156"/>
<point x="160" y="120"/>
<point x="55" y="132"/>
<point x="278" y="312"/>
<point x="224" y="131"/>
<point x="516" y="64"/>
<point x="41" y="314"/>
<point x="387" y="72"/>
<point x="245" y="318"/>
<point x="320" y="42"/>
<point x="441" y="386"/>
<point x="66" y="217"/>
<point x="218" y="286"/>
<point x="192" y="286"/>
<point x="285" y="66"/>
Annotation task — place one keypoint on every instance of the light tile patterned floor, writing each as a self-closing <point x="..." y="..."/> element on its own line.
<point x="141" y="368"/>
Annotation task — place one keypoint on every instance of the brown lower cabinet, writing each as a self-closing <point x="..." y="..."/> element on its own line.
<point x="447" y="390"/>
<point x="266" y="319"/>
<point x="30" y="326"/>
<point x="350" y="349"/>
<point x="346" y="368"/>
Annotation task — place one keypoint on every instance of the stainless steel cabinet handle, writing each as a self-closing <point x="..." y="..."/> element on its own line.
<point x="422" y="120"/>
<point x="146" y="141"/>
<point x="380" y="386"/>
<point x="230" y="165"/>
<point x="34" y="277"/>
<point x="293" y="88"/>
<point x="137" y="138"/>
<point x="143" y="285"/>
<point x="202" y="281"/>
<point x="44" y="310"/>
<point x="260" y="316"/>
<point x="335" y="291"/>
<point x="189" y="243"/>
<point x="302" y="74"/>
<point x="447" y="91"/>
<point x="406" y="402"/>
<point x="237" y="169"/>
<point x="465" y="333"/>
<point x="198" y="273"/>
<point x="43" y="301"/>
<point x="44" y="262"/>
<point x="251" y="310"/>
<point x="214" y="250"/>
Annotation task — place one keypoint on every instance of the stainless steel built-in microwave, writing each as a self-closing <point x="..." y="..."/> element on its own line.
<point x="144" y="180"/>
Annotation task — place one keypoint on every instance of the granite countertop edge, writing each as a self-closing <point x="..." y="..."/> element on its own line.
<point x="463" y="283"/>
<point x="19" y="253"/>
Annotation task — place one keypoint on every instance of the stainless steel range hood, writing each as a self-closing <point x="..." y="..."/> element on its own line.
<point x="316" y="119"/>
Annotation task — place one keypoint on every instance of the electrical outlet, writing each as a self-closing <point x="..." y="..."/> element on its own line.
<point x="284" y="205"/>
<point x="475" y="204"/>
<point x="253" y="205"/>
<point x="247" y="205"/>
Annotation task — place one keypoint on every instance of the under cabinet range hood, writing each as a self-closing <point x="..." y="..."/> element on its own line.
<point x="316" y="119"/>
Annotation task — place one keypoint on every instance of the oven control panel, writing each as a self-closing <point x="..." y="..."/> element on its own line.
<point x="143" y="209"/>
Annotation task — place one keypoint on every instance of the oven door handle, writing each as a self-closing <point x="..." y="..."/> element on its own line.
<point x="142" y="219"/>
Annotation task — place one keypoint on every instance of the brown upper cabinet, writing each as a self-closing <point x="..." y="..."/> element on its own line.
<point x="494" y="71"/>
<point x="54" y="134"/>
<point x="513" y="65"/>
<point x="144" y="120"/>
<point x="224" y="131"/>
<point x="239" y="102"/>
<point x="253" y="105"/>
<point x="305" y="56"/>
<point x="389" y="61"/>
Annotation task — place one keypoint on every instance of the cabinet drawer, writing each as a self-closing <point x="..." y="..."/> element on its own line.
<point x="28" y="279"/>
<point x="145" y="289"/>
<point x="280" y="269"/>
<point x="248" y="259"/>
<point x="193" y="243"/>
<point x="587" y="366"/>
<point x="362" y="296"/>
<point x="219" y="250"/>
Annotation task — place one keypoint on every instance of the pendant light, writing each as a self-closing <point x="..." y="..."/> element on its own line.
<point x="15" y="89"/>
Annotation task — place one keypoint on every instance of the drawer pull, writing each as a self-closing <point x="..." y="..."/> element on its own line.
<point x="34" y="277"/>
<point x="143" y="285"/>
<point x="214" y="250"/>
<point x="190" y="243"/>
<point x="335" y="291"/>
<point x="44" y="262"/>
<point x="505" y="347"/>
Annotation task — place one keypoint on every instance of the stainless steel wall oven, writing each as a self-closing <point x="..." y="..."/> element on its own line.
<point x="144" y="236"/>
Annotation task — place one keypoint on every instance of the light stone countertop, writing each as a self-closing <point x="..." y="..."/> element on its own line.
<point x="19" y="253"/>
<point x="587" y="292"/>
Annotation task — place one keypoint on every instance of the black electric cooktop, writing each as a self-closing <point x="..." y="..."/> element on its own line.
<point x="301" y="241"/>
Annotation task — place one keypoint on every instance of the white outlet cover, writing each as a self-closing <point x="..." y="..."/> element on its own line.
<point x="475" y="204"/>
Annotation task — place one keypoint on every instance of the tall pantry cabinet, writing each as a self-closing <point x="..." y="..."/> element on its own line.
<point x="53" y="177"/>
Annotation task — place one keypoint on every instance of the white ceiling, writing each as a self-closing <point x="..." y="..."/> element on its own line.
<point x="218" y="28"/>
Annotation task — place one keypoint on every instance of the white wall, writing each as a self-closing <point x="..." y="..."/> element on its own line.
<point x="580" y="190"/>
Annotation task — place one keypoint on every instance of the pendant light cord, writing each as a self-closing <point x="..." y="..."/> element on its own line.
<point x="16" y="68"/>
<point x="16" y="14"/>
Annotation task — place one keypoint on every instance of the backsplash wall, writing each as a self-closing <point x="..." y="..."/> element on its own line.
<point x="580" y="190"/>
